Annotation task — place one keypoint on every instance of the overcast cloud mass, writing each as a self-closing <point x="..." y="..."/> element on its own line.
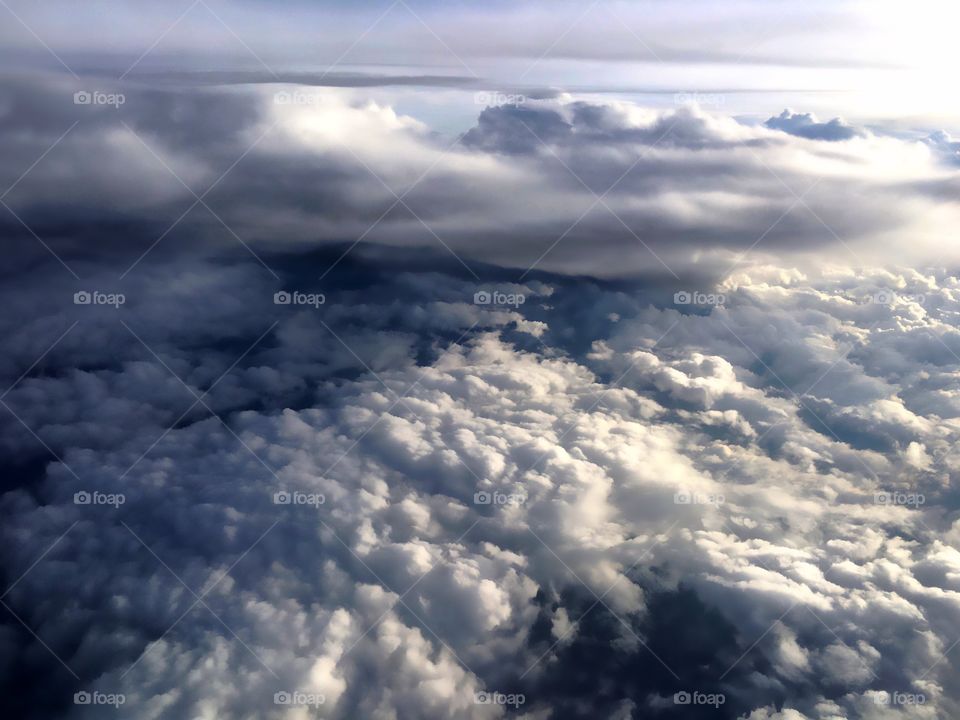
<point x="439" y="360"/>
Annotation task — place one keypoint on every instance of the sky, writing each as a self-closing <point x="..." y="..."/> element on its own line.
<point x="439" y="360"/>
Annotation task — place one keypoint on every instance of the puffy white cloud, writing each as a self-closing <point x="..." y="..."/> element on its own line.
<point x="475" y="507"/>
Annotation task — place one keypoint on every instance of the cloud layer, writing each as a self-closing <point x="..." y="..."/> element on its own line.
<point x="483" y="501"/>
<point x="608" y="190"/>
<point x="393" y="390"/>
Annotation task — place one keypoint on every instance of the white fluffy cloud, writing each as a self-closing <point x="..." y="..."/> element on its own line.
<point x="635" y="468"/>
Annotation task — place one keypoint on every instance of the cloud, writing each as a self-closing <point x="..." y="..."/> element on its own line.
<point x="668" y="470"/>
<point x="423" y="32"/>
<point x="610" y="190"/>
<point x="943" y="143"/>
<point x="334" y="387"/>
<point x="805" y="125"/>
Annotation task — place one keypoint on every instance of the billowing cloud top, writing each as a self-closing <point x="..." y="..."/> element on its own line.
<point x="806" y="125"/>
<point x="605" y="189"/>
<point x="403" y="495"/>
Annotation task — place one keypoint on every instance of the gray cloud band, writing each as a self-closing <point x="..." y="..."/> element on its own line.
<point x="570" y="187"/>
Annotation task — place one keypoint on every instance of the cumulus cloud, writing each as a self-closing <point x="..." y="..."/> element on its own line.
<point x="805" y="125"/>
<point x="327" y="403"/>
<point x="684" y="504"/>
